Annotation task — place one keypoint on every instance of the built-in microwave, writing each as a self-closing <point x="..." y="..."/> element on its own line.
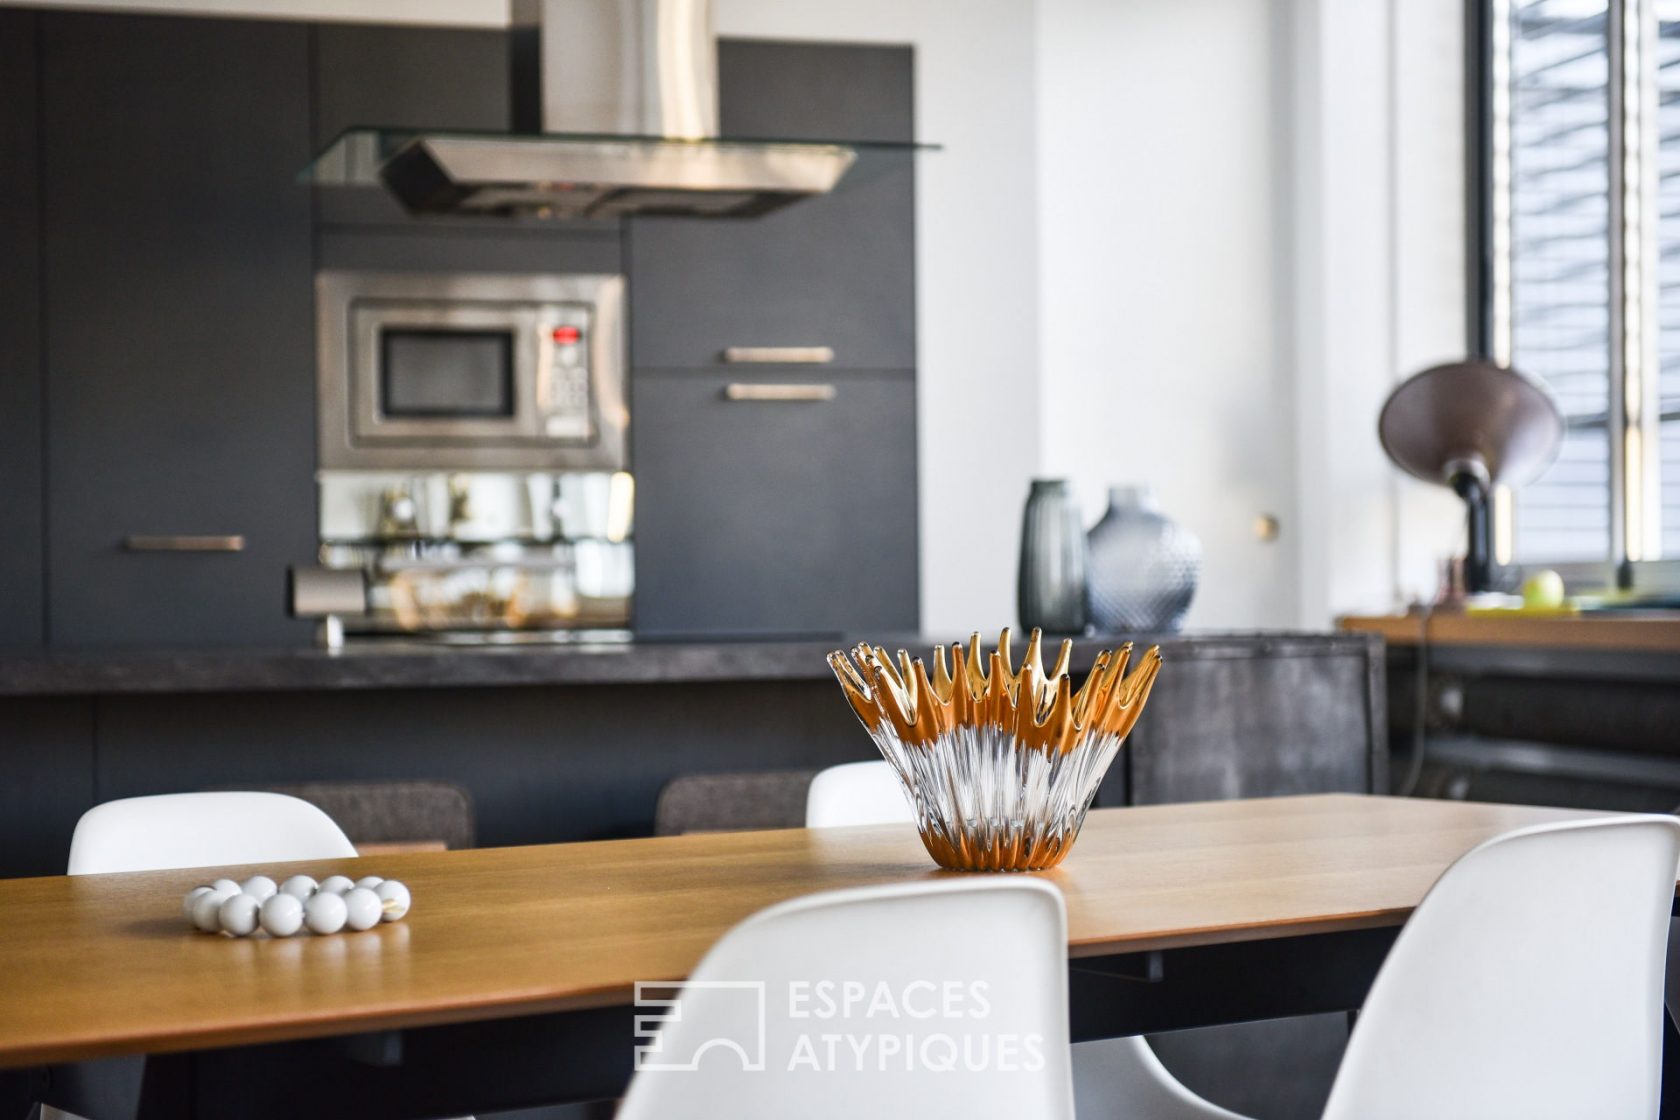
<point x="470" y="371"/>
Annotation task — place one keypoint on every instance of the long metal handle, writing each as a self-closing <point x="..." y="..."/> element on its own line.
<point x="737" y="391"/>
<point x="142" y="542"/>
<point x="779" y="355"/>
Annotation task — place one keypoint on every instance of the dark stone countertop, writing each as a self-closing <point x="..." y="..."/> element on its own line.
<point x="397" y="664"/>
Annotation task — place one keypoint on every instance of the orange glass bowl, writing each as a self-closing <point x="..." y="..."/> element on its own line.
<point x="1001" y="765"/>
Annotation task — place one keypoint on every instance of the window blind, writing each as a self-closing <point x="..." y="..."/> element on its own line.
<point x="1560" y="264"/>
<point x="1667" y="51"/>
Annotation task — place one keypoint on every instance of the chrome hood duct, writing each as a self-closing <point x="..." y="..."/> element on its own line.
<point x="616" y="107"/>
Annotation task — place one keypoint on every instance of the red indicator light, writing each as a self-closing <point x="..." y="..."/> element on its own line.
<point x="566" y="336"/>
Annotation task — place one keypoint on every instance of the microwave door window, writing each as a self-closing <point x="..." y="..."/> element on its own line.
<point x="446" y="374"/>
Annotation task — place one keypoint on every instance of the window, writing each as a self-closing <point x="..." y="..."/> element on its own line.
<point x="1581" y="220"/>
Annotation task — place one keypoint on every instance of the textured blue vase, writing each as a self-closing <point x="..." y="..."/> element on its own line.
<point x="1051" y="590"/>
<point x="1143" y="566"/>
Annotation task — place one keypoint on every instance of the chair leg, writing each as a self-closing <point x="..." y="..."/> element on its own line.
<point x="1670" y="1097"/>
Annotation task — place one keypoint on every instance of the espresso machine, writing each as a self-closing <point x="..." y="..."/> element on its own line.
<point x="481" y="556"/>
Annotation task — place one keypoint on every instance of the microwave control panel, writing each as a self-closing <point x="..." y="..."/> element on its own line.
<point x="566" y="409"/>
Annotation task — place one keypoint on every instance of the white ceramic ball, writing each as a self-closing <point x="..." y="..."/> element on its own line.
<point x="191" y="900"/>
<point x="394" y="899"/>
<point x="226" y="886"/>
<point x="336" y="884"/>
<point x="324" y="912"/>
<point x="299" y="887"/>
<point x="259" y="887"/>
<point x="362" y="908"/>
<point x="207" y="908"/>
<point x="282" y="915"/>
<point x="238" y="914"/>
<point x="368" y="882"/>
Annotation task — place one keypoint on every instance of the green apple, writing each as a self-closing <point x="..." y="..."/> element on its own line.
<point x="1543" y="590"/>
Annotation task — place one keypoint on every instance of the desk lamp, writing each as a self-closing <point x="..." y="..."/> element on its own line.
<point x="1469" y="426"/>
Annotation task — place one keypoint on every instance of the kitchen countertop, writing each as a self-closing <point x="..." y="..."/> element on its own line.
<point x="397" y="664"/>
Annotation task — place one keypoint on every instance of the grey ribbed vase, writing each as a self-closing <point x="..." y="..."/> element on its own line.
<point x="1051" y="591"/>
<point x="1144" y="566"/>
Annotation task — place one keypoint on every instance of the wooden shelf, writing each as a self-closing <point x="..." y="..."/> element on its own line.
<point x="1638" y="633"/>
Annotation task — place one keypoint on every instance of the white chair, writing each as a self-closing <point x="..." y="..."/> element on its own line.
<point x="177" y="830"/>
<point x="857" y="793"/>
<point x="1000" y="945"/>
<point x="1118" y="1077"/>
<point x="174" y="830"/>
<point x="1528" y="984"/>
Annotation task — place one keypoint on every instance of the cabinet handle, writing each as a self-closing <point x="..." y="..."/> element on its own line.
<point x="779" y="355"/>
<point x="737" y="391"/>
<point x="151" y="543"/>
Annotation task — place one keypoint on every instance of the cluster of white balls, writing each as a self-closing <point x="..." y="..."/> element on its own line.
<point x="300" y="902"/>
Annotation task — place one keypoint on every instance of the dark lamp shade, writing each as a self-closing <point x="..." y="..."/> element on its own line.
<point x="1471" y="412"/>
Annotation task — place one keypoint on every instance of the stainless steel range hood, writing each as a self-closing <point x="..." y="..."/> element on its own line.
<point x="616" y="107"/>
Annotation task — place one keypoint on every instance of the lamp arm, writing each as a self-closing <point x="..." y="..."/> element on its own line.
<point x="1472" y="486"/>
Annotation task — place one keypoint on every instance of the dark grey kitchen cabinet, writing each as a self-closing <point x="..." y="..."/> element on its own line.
<point x="783" y="516"/>
<point x="370" y="75"/>
<point x="775" y="515"/>
<point x="179" y="325"/>
<point x="22" y="590"/>
<point x="836" y="270"/>
<point x="781" y="90"/>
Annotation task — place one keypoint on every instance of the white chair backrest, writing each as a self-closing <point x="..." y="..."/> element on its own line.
<point x="200" y="830"/>
<point x="857" y="793"/>
<point x="1527" y="984"/>
<point x="900" y="1002"/>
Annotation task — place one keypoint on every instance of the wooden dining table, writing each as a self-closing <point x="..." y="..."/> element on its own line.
<point x="511" y="980"/>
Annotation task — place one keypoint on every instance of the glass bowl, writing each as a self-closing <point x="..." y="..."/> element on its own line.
<point x="1001" y="765"/>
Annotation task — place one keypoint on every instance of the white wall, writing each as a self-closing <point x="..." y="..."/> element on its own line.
<point x="1343" y="301"/>
<point x="1380" y="284"/>
<point x="1164" y="286"/>
<point x="1251" y="226"/>
<point x="1431" y="265"/>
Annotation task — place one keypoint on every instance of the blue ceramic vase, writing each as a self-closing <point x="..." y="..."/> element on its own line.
<point x="1143" y="566"/>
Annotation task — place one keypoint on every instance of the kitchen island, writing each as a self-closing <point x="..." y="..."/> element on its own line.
<point x="573" y="742"/>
